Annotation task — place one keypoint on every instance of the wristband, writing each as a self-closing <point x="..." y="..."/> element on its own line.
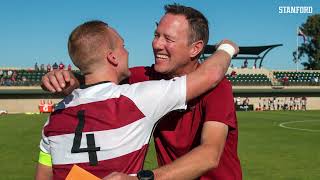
<point x="227" y="48"/>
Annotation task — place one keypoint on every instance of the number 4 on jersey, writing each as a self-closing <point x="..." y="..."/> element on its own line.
<point x="91" y="146"/>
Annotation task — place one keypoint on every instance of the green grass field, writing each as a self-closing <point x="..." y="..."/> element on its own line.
<point x="266" y="150"/>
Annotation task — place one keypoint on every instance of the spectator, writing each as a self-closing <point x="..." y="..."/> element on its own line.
<point x="285" y="104"/>
<point x="304" y="103"/>
<point x="233" y="73"/>
<point x="264" y="103"/>
<point x="238" y="101"/>
<point x="269" y="104"/>
<point x="291" y="102"/>
<point x="36" y="67"/>
<point x="42" y="67"/>
<point x="7" y="82"/>
<point x="61" y="65"/>
<point x="5" y="75"/>
<point x="48" y="68"/>
<point x="259" y="104"/>
<point x="245" y="63"/>
<point x="246" y="101"/>
<point x="69" y="67"/>
<point x="10" y="73"/>
<point x="2" y="81"/>
<point x="24" y="79"/>
<point x="296" y="103"/>
<point x="14" y="76"/>
<point x="285" y="80"/>
<point x="55" y="66"/>
<point x="273" y="103"/>
<point x="255" y="64"/>
<point x="316" y="80"/>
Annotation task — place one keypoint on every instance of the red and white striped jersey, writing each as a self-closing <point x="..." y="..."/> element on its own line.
<point x="107" y="127"/>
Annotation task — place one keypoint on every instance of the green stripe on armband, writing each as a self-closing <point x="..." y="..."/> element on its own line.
<point x="45" y="159"/>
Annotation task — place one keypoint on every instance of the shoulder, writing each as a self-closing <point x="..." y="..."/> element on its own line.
<point x="218" y="104"/>
<point x="224" y="84"/>
<point x="138" y="74"/>
<point x="143" y="73"/>
<point x="220" y="99"/>
<point x="139" y="69"/>
<point x="222" y="90"/>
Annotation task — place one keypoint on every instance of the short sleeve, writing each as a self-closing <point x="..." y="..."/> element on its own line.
<point x="44" y="142"/>
<point x="157" y="98"/>
<point x="219" y="106"/>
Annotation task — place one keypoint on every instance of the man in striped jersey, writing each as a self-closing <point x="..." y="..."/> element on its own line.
<point x="104" y="127"/>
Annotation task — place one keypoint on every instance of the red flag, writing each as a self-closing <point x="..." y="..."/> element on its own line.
<point x="300" y="33"/>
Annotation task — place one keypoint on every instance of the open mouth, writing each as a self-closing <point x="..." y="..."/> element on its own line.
<point x="161" y="57"/>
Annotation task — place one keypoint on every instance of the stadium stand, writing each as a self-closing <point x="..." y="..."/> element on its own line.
<point x="23" y="93"/>
<point x="297" y="78"/>
<point x="20" y="89"/>
<point x="264" y="77"/>
<point x="22" y="77"/>
<point x="249" y="80"/>
<point x="249" y="77"/>
<point x="238" y="77"/>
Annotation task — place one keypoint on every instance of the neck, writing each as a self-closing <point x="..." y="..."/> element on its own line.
<point x="185" y="70"/>
<point x="101" y="75"/>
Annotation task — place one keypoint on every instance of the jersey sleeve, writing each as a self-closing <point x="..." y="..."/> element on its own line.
<point x="219" y="105"/>
<point x="44" y="142"/>
<point x="157" y="98"/>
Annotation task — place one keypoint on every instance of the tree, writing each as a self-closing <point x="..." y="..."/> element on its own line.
<point x="311" y="46"/>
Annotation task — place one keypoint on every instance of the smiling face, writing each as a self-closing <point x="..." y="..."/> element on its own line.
<point x="171" y="45"/>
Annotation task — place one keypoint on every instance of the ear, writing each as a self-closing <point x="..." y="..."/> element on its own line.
<point x="112" y="59"/>
<point x="196" y="48"/>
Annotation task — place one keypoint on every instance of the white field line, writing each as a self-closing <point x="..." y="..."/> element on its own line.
<point x="284" y="125"/>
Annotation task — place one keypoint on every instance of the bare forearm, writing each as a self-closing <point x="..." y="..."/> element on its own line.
<point x="43" y="172"/>
<point x="208" y="75"/>
<point x="190" y="166"/>
<point x="216" y="66"/>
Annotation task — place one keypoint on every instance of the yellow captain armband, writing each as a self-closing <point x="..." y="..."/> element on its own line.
<point x="45" y="159"/>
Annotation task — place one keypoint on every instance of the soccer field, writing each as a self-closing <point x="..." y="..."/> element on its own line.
<point x="267" y="151"/>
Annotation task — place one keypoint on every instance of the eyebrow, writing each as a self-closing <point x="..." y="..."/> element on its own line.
<point x="165" y="35"/>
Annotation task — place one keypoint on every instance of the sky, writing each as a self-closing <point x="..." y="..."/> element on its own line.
<point x="37" y="30"/>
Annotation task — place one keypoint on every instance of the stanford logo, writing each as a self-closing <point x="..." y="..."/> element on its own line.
<point x="295" y="9"/>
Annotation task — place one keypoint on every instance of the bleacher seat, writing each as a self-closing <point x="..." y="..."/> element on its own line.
<point x="249" y="80"/>
<point x="24" y="77"/>
<point x="298" y="78"/>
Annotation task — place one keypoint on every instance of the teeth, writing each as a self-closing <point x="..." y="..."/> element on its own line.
<point x="161" y="56"/>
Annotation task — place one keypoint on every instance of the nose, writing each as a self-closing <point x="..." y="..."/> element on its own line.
<point x="157" y="43"/>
